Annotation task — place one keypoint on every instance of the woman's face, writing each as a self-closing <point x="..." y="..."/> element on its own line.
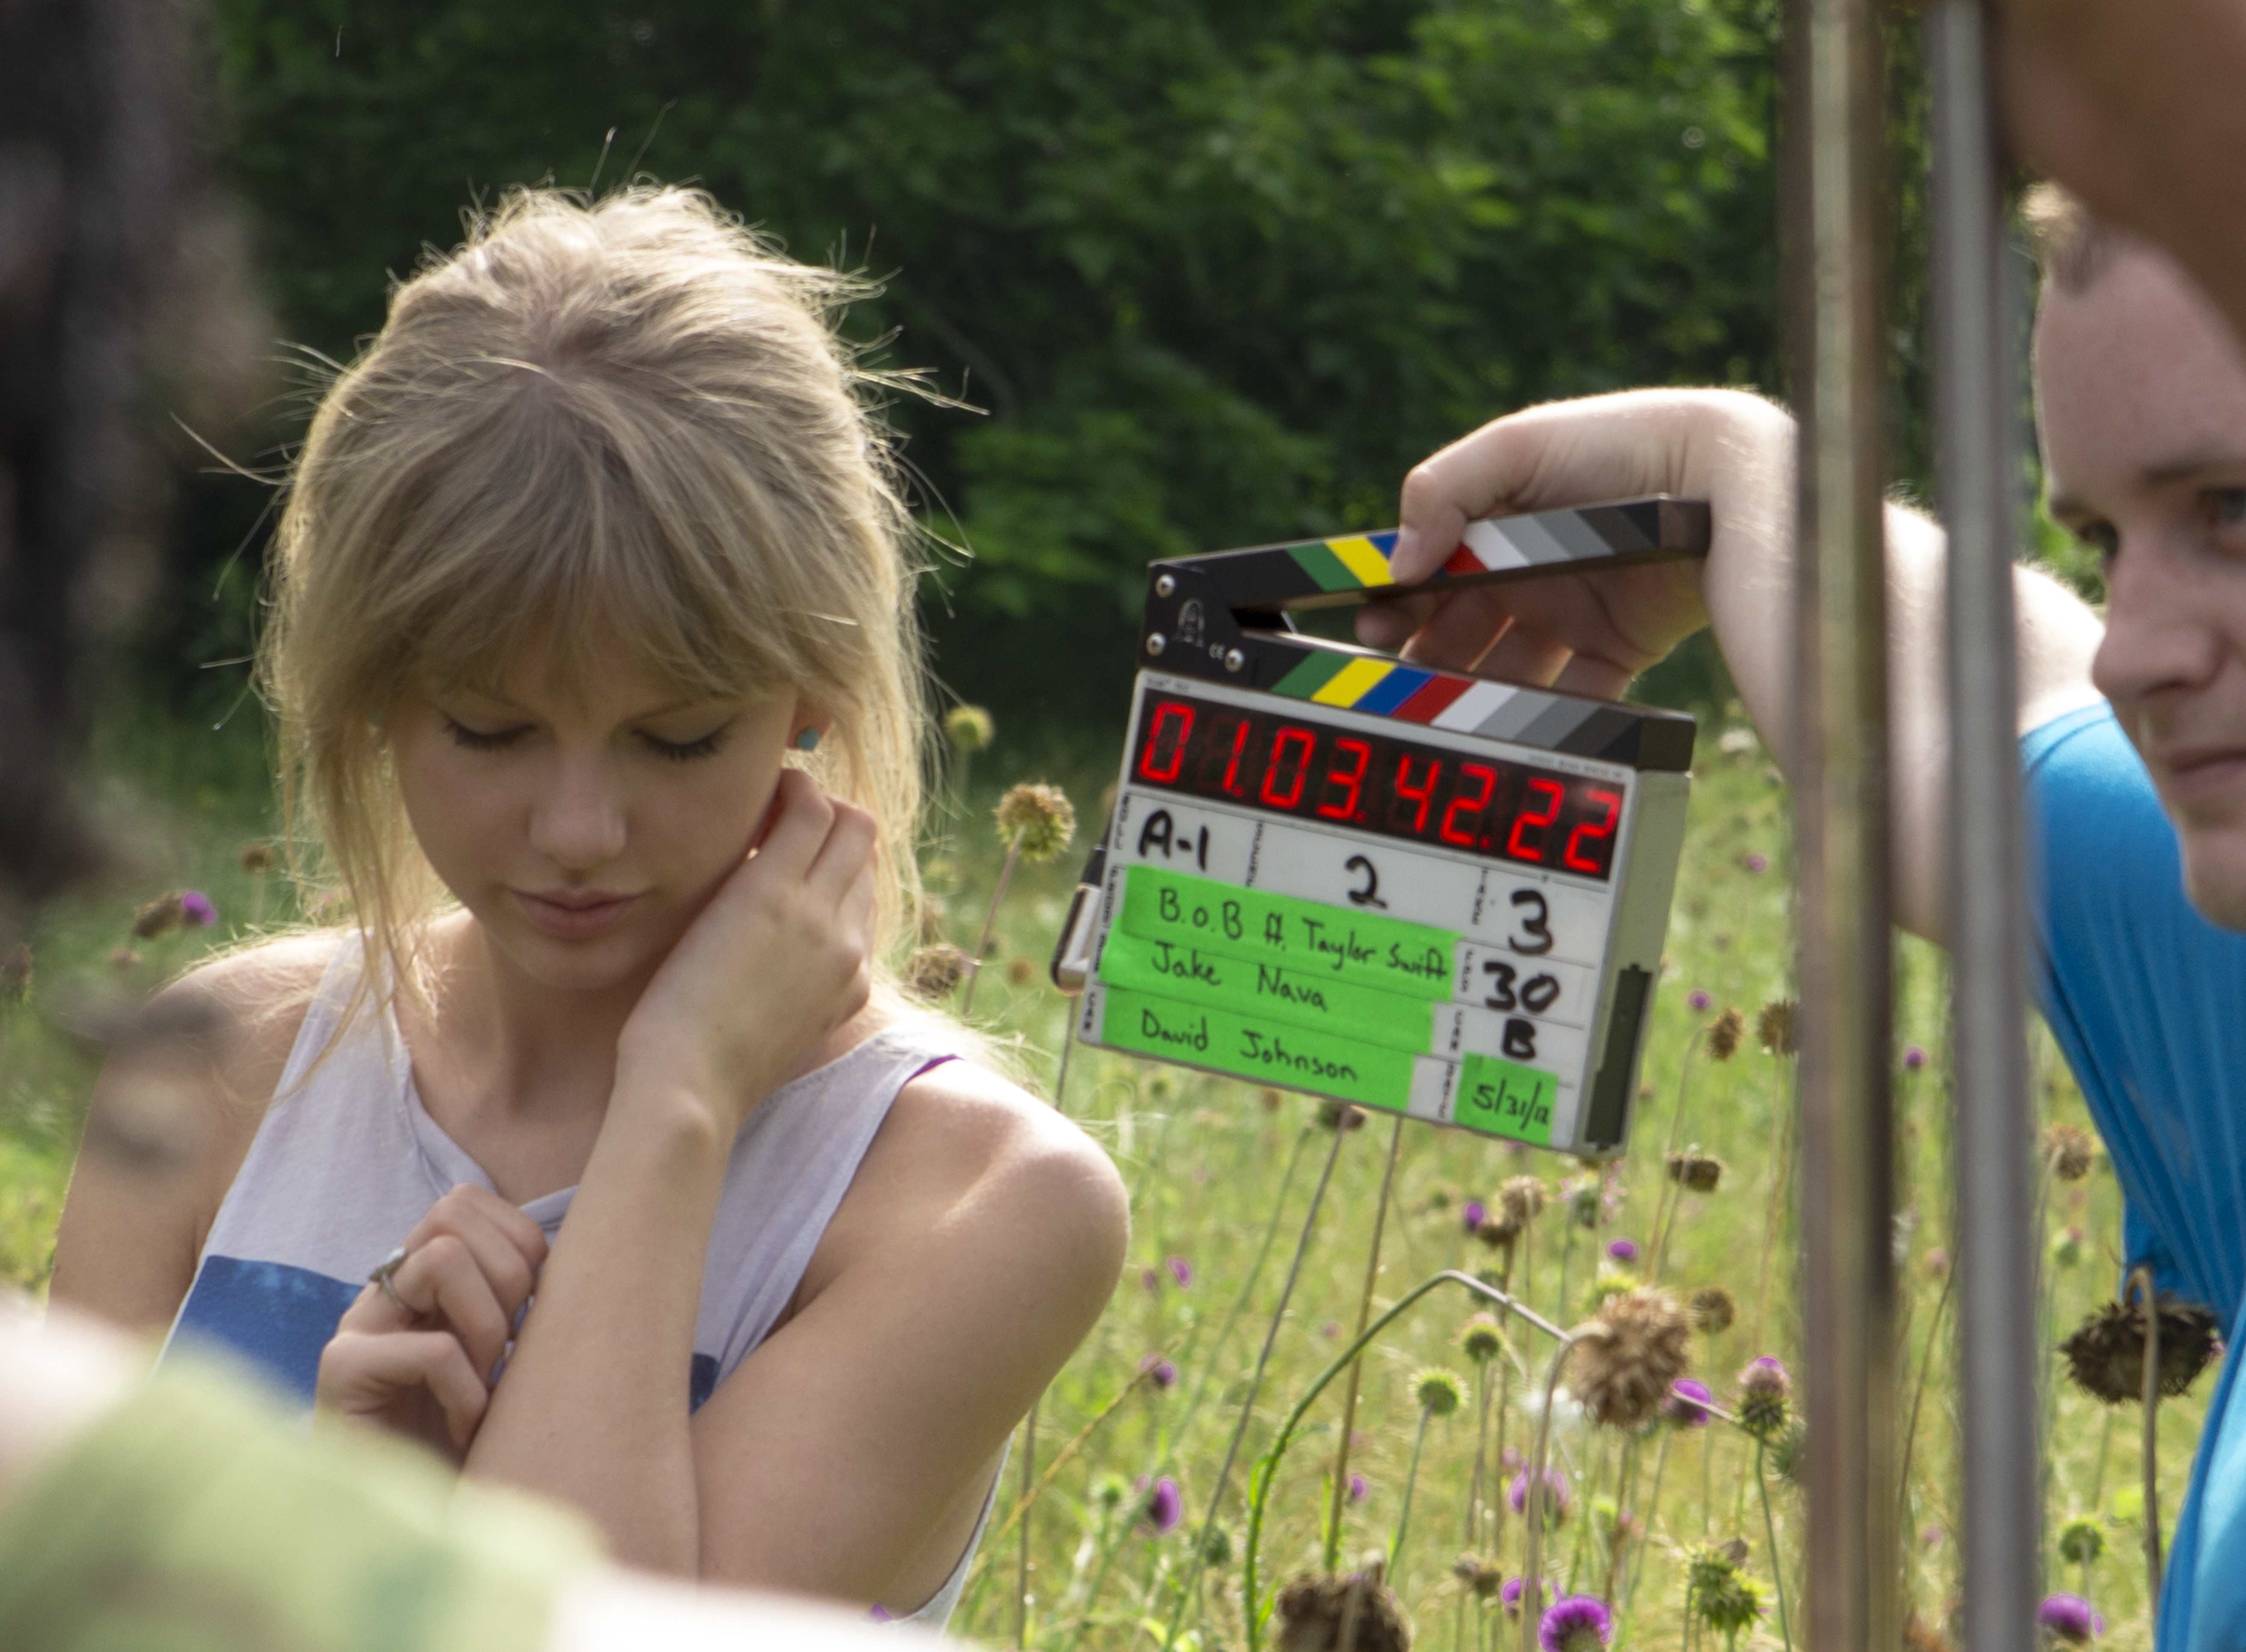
<point x="584" y="825"/>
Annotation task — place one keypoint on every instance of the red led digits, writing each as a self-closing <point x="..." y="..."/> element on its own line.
<point x="1376" y="783"/>
<point x="1300" y="743"/>
<point x="1554" y="795"/>
<point x="1352" y="782"/>
<point x="1172" y="718"/>
<point x="1485" y="777"/>
<point x="1422" y="794"/>
<point x="1593" y="832"/>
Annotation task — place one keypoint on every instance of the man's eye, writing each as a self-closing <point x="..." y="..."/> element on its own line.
<point x="2226" y="506"/>
<point x="2101" y="537"/>
<point x="477" y="740"/>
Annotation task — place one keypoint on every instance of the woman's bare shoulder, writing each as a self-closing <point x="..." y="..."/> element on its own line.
<point x="964" y="1143"/>
<point x="250" y="1004"/>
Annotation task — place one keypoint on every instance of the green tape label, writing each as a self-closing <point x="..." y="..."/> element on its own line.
<point x="1505" y="1099"/>
<point x="1322" y="942"/>
<point x="1256" y="1047"/>
<point x="1253" y="987"/>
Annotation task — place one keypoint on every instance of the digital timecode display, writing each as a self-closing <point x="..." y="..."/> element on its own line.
<point x="1376" y="783"/>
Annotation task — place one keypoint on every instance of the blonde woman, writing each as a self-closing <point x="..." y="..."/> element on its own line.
<point x="599" y="1153"/>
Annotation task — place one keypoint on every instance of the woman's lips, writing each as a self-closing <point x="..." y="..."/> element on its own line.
<point x="574" y="919"/>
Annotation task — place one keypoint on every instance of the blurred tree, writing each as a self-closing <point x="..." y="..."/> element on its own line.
<point x="1218" y="271"/>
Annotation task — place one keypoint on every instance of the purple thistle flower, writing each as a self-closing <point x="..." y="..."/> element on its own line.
<point x="1356" y="1488"/>
<point x="1181" y="1271"/>
<point x="1151" y="1278"/>
<point x="1580" y="1623"/>
<point x="1475" y="1214"/>
<point x="2068" y="1619"/>
<point x="1509" y="1596"/>
<point x="1164" y="1507"/>
<point x="1555" y="1492"/>
<point x="1697" y="1001"/>
<point x="1757" y="864"/>
<point x="1158" y="1370"/>
<point x="1687" y="1404"/>
<point x="1913" y="1059"/>
<point x="1622" y="1250"/>
<point x="1766" y="1370"/>
<point x="195" y="907"/>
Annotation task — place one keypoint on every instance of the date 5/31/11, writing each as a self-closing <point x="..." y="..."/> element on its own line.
<point x="1377" y="783"/>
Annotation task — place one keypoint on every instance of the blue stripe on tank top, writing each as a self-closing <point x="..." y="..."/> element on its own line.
<point x="279" y="1318"/>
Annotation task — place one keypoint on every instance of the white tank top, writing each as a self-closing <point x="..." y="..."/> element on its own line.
<point x="348" y="1161"/>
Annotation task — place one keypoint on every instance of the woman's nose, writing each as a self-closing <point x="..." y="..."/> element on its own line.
<point x="578" y="819"/>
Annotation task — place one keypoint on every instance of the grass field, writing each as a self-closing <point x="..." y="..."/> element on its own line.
<point x="1221" y="1175"/>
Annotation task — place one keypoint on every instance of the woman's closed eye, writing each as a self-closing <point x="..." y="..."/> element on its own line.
<point x="483" y="739"/>
<point x="685" y="751"/>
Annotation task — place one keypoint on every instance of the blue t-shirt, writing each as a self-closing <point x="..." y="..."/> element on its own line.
<point x="2148" y="1000"/>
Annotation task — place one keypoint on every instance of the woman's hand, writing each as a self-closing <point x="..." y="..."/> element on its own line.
<point x="1587" y="633"/>
<point x="425" y="1370"/>
<point x="780" y="956"/>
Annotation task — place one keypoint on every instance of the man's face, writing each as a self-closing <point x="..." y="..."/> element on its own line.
<point x="2141" y="392"/>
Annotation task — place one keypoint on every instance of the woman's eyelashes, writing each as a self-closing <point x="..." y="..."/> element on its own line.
<point x="677" y="751"/>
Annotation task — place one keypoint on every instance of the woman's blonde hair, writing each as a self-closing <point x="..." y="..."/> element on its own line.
<point x="627" y="418"/>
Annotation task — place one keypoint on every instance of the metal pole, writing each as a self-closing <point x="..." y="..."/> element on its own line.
<point x="1994" y="1130"/>
<point x="1835" y="129"/>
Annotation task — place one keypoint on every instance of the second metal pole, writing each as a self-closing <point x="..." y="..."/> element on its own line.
<point x="1993" y="1133"/>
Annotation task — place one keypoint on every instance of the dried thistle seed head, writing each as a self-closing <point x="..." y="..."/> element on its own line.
<point x="1339" y="1116"/>
<point x="968" y="728"/>
<point x="1712" y="1310"/>
<point x="1020" y="972"/>
<point x="1622" y="1372"/>
<point x="933" y="971"/>
<point x="1437" y="1391"/>
<point x="1501" y="1232"/>
<point x="1522" y="1198"/>
<point x="1039" y="819"/>
<point x="1695" y="1171"/>
<point x="257" y="857"/>
<point x="2106" y="1357"/>
<point x="2069" y="1150"/>
<point x="1724" y="1034"/>
<point x="158" y="917"/>
<point x="1315" y="1612"/>
<point x="1479" y="1340"/>
<point x="1482" y="1576"/>
<point x="1774" y="1026"/>
<point x="1765" y="1393"/>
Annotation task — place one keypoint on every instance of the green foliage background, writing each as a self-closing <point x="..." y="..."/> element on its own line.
<point x="1218" y="273"/>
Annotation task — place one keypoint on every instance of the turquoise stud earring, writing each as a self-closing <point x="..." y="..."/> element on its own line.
<point x="807" y="741"/>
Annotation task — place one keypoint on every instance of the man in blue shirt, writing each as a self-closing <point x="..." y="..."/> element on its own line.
<point x="2134" y="732"/>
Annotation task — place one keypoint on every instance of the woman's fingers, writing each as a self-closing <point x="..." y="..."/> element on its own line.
<point x="508" y="1246"/>
<point x="439" y="1279"/>
<point x="363" y="1374"/>
<point x="802" y="817"/>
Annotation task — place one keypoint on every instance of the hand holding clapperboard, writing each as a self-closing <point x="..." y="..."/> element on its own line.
<point x="1420" y="892"/>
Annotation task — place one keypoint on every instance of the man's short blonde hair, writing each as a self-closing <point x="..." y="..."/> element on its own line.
<point x="2073" y="247"/>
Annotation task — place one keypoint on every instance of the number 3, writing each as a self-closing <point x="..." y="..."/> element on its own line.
<point x="1535" y="937"/>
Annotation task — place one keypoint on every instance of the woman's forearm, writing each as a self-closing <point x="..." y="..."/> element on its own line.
<point x="591" y="1407"/>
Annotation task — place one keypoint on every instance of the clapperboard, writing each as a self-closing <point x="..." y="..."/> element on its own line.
<point x="1331" y="871"/>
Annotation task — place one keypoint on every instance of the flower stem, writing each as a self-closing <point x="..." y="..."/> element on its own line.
<point x="1531" y="1503"/>
<point x="2150" y="1394"/>
<point x="991" y="920"/>
<point x="1664" y="1214"/>
<point x="1770" y="1534"/>
<point x="1404" y="1514"/>
<point x="1022" y="1570"/>
<point x="1356" y="1370"/>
